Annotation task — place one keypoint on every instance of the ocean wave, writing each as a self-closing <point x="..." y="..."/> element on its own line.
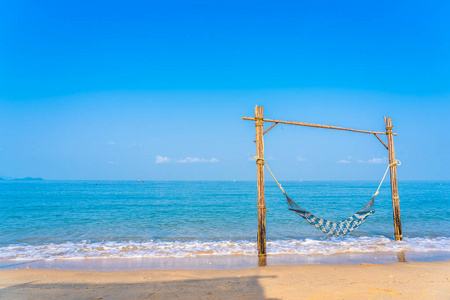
<point x="180" y="249"/>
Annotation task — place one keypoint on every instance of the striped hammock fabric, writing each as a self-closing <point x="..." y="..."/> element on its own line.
<point x="333" y="228"/>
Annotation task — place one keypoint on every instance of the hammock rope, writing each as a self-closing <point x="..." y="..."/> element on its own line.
<point x="330" y="227"/>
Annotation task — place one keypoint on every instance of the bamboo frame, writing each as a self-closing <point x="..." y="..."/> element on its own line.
<point x="259" y="132"/>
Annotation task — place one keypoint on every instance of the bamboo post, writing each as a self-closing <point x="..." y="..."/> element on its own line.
<point x="394" y="188"/>
<point x="259" y="127"/>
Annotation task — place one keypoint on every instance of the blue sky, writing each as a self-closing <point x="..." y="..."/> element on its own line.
<point x="149" y="90"/>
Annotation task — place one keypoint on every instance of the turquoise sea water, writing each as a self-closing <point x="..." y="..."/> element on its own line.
<point x="127" y="219"/>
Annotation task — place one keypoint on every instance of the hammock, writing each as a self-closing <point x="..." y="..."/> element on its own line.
<point x="330" y="227"/>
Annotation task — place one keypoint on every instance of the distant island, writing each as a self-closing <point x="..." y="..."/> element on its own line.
<point x="29" y="179"/>
<point x="23" y="179"/>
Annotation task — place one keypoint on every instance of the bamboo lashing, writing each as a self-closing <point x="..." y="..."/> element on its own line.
<point x="316" y="125"/>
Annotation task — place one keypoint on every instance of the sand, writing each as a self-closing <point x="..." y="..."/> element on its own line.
<point x="409" y="280"/>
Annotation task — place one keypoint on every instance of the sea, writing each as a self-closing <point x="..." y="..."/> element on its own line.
<point x="95" y="220"/>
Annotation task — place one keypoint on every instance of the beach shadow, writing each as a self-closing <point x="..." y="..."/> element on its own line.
<point x="217" y="288"/>
<point x="20" y="264"/>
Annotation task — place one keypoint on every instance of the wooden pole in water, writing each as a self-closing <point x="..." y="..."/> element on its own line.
<point x="394" y="188"/>
<point x="259" y="126"/>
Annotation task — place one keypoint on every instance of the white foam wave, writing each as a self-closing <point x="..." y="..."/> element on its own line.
<point x="158" y="249"/>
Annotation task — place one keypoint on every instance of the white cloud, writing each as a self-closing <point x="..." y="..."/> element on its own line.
<point x="301" y="158"/>
<point x="162" y="159"/>
<point x="343" y="161"/>
<point x="375" y="160"/>
<point x="111" y="143"/>
<point x="196" y="160"/>
<point x="133" y="145"/>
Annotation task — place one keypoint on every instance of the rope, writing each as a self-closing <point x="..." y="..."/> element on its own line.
<point x="395" y="163"/>
<point x="379" y="186"/>
<point x="279" y="185"/>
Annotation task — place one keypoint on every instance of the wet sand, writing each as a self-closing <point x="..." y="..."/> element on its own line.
<point x="407" y="280"/>
<point x="221" y="262"/>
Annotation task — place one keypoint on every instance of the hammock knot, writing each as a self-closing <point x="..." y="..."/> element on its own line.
<point x="259" y="161"/>
<point x="395" y="164"/>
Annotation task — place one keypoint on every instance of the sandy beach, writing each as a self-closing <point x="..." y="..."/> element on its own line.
<point x="421" y="280"/>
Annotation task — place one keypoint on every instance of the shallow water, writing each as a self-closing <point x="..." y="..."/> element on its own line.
<point x="126" y="219"/>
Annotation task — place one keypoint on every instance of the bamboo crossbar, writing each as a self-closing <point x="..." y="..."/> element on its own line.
<point x="316" y="125"/>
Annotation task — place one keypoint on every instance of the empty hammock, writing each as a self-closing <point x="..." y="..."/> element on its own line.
<point x="330" y="227"/>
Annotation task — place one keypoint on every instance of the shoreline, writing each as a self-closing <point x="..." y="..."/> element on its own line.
<point x="222" y="262"/>
<point x="423" y="280"/>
